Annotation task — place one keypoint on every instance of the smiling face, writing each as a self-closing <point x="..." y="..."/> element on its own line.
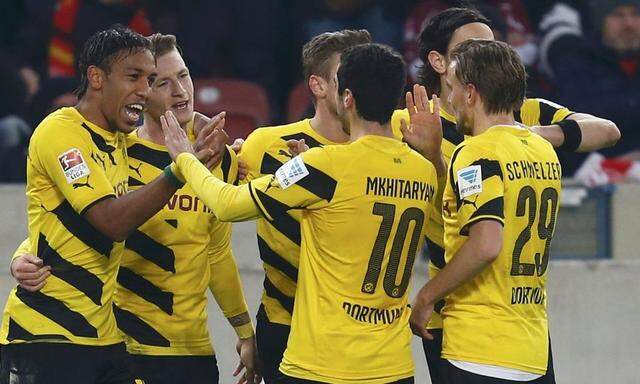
<point x="172" y="90"/>
<point x="125" y="89"/>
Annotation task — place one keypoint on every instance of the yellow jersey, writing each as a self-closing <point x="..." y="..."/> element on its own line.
<point x="169" y="261"/>
<point x="72" y="164"/>
<point x="533" y="112"/>
<point x="513" y="176"/>
<point x="364" y="209"/>
<point x="264" y="151"/>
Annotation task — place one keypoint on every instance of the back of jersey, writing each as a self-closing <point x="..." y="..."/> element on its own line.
<point x="510" y="175"/>
<point x="366" y="206"/>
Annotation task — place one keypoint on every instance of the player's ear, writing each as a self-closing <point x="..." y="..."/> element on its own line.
<point x="347" y="98"/>
<point x="471" y="94"/>
<point x="317" y="86"/>
<point x="437" y="62"/>
<point x="96" y="77"/>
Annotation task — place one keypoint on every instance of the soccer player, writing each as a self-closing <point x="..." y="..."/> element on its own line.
<point x="264" y="151"/>
<point x="364" y="208"/>
<point x="160" y="301"/>
<point x="79" y="213"/>
<point x="561" y="127"/>
<point x="500" y="206"/>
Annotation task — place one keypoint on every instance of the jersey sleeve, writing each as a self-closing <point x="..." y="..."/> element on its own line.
<point x="23" y="249"/>
<point x="476" y="177"/>
<point x="542" y="112"/>
<point x="225" y="282"/>
<point x="65" y="156"/>
<point x="303" y="182"/>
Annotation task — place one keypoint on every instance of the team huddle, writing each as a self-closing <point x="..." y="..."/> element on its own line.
<point x="129" y="223"/>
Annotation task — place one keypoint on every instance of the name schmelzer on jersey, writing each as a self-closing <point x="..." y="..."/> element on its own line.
<point x="400" y="188"/>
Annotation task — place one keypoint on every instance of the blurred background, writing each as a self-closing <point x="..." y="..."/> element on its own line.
<point x="244" y="56"/>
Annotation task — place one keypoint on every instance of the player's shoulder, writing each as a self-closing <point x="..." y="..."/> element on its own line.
<point x="64" y="121"/>
<point x="271" y="133"/>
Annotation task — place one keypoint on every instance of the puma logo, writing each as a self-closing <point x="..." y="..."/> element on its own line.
<point x="80" y="185"/>
<point x="468" y="202"/>
<point x="285" y="153"/>
<point x="137" y="170"/>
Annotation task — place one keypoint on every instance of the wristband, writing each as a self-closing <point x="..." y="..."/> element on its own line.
<point x="244" y="331"/>
<point x="572" y="135"/>
<point x="171" y="177"/>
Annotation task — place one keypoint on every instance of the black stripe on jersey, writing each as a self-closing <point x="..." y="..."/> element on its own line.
<point x="78" y="277"/>
<point x="546" y="113"/>
<point x="135" y="182"/>
<point x="285" y="301"/>
<point x="282" y="221"/>
<point x="57" y="312"/>
<point x="308" y="140"/>
<point x="82" y="229"/>
<point x="450" y="133"/>
<point x="16" y="332"/>
<point x="226" y="164"/>
<point x="318" y="183"/>
<point x="137" y="329"/>
<point x="151" y="250"/>
<point x="493" y="207"/>
<point x="101" y="143"/>
<point x="436" y="254"/>
<point x="270" y="257"/>
<point x="154" y="157"/>
<point x="452" y="179"/>
<point x="269" y="164"/>
<point x="146" y="290"/>
<point x="489" y="168"/>
<point x="517" y="115"/>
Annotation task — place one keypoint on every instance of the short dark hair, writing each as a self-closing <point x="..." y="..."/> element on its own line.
<point x="104" y="47"/>
<point x="317" y="52"/>
<point x="496" y="71"/>
<point x="375" y="74"/>
<point x="436" y="35"/>
<point x="162" y="44"/>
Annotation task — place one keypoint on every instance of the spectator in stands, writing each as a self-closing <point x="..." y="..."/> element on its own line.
<point x="599" y="70"/>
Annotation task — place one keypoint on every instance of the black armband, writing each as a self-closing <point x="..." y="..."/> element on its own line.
<point x="572" y="135"/>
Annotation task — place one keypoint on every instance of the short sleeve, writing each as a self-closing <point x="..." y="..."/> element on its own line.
<point x="476" y="177"/>
<point x="66" y="157"/>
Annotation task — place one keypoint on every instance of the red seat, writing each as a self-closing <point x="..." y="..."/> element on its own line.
<point x="299" y="103"/>
<point x="245" y="102"/>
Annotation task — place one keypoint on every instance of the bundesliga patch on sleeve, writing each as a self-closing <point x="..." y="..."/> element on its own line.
<point x="469" y="181"/>
<point x="291" y="172"/>
<point x="73" y="165"/>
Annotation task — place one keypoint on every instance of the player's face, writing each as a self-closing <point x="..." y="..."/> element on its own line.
<point x="172" y="89"/>
<point x="125" y="89"/>
<point x="458" y="100"/>
<point x="621" y="29"/>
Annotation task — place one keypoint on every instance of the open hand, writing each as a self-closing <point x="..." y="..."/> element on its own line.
<point x="248" y="354"/>
<point x="210" y="138"/>
<point x="424" y="132"/>
<point x="175" y="138"/>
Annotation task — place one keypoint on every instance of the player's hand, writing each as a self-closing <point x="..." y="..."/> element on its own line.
<point x="175" y="138"/>
<point x="297" y="147"/>
<point x="210" y="139"/>
<point x="424" y="130"/>
<point x="243" y="170"/>
<point x="237" y="145"/>
<point x="29" y="272"/>
<point x="421" y="312"/>
<point x="248" y="353"/>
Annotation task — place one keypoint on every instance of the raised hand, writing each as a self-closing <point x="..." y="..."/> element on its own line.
<point x="210" y="138"/>
<point x="175" y="137"/>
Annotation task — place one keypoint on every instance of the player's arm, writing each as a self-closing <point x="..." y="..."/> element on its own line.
<point x="568" y="131"/>
<point x="480" y="218"/>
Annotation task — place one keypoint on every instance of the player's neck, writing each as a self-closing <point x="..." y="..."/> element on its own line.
<point x="91" y="111"/>
<point x="483" y="121"/>
<point x="444" y="98"/>
<point x="327" y="125"/>
<point x="360" y="128"/>
<point x="151" y="130"/>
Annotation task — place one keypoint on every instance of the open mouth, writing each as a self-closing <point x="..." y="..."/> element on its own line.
<point x="181" y="105"/>
<point x="134" y="111"/>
